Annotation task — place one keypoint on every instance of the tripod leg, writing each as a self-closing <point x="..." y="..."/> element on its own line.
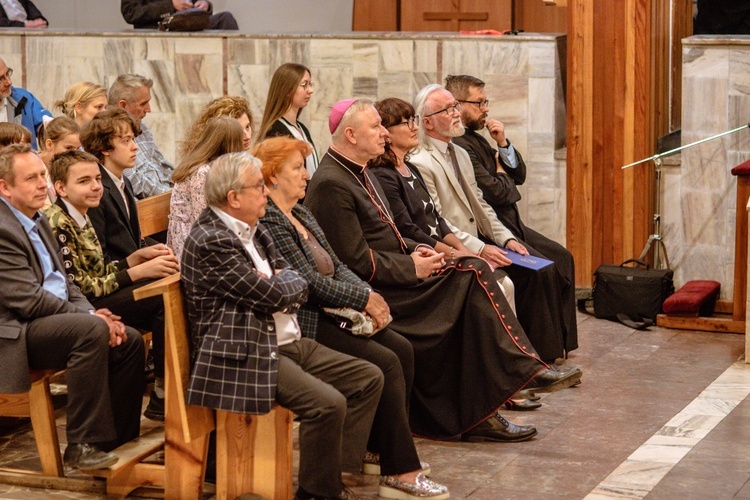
<point x="647" y="247"/>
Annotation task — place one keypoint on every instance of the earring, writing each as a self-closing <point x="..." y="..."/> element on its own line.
<point x="275" y="186"/>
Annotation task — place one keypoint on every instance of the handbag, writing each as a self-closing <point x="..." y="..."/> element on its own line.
<point x="185" y="20"/>
<point x="631" y="295"/>
<point x="356" y="322"/>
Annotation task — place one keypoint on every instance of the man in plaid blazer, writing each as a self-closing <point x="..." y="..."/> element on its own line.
<point x="249" y="353"/>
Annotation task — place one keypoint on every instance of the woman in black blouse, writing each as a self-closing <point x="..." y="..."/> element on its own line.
<point x="288" y="94"/>
<point x="414" y="211"/>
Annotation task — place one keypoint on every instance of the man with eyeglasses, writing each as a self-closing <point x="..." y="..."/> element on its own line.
<point x="18" y="105"/>
<point x="449" y="176"/>
<point x="498" y="170"/>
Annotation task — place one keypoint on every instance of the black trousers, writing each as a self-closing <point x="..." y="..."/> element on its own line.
<point x="146" y="314"/>
<point x="105" y="384"/>
<point x="394" y="355"/>
<point x="223" y="21"/>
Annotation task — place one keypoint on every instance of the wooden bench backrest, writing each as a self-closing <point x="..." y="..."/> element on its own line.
<point x="153" y="213"/>
<point x="195" y="421"/>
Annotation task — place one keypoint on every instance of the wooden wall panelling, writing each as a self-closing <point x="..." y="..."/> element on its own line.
<point x="682" y="27"/>
<point x="455" y="15"/>
<point x="536" y="16"/>
<point x="611" y="110"/>
<point x="375" y="15"/>
<point x="580" y="126"/>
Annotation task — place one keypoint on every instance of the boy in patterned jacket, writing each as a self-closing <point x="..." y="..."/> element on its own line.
<point x="107" y="284"/>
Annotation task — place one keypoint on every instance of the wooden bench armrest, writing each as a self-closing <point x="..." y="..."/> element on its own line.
<point x="161" y="287"/>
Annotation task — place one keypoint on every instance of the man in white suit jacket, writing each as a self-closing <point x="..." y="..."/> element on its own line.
<point x="449" y="176"/>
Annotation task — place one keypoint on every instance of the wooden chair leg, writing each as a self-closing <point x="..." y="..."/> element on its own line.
<point x="254" y="454"/>
<point x="185" y="465"/>
<point x="45" y="431"/>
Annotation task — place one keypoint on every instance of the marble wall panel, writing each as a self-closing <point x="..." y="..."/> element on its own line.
<point x="543" y="62"/>
<point x="284" y="50"/>
<point x="541" y="100"/>
<point x="334" y="53"/>
<point x="509" y="58"/>
<point x="247" y="51"/>
<point x="365" y="60"/>
<point x="461" y="57"/>
<point x="509" y="98"/>
<point x="704" y="217"/>
<point x="540" y="148"/>
<point x="251" y="81"/>
<point x="119" y="54"/>
<point x="163" y="75"/>
<point x="739" y="71"/>
<point x="739" y="114"/>
<point x="425" y="56"/>
<point x="698" y="62"/>
<point x="704" y="105"/>
<point x="397" y="84"/>
<point x="396" y="55"/>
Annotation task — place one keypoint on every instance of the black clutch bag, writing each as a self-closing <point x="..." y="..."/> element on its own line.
<point x="637" y="292"/>
<point x="185" y="20"/>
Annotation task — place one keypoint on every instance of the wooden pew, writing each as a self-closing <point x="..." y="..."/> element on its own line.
<point x="153" y="213"/>
<point x="254" y="452"/>
<point x="37" y="404"/>
<point x="153" y="218"/>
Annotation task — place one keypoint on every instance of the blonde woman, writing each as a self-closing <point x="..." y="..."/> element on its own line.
<point x="232" y="106"/>
<point x="82" y="101"/>
<point x="56" y="136"/>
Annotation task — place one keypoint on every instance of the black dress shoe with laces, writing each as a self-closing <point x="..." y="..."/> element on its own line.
<point x="88" y="457"/>
<point x="498" y="430"/>
<point x="553" y="380"/>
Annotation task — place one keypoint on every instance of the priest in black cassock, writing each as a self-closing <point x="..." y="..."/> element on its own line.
<point x="471" y="354"/>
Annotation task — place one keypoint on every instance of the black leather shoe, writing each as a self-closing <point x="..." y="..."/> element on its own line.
<point x="498" y="430"/>
<point x="554" y="380"/>
<point x="525" y="405"/>
<point x="88" y="457"/>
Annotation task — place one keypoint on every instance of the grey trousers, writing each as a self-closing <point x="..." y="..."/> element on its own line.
<point x="105" y="384"/>
<point x="335" y="396"/>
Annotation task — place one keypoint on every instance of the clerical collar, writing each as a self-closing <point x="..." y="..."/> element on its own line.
<point x="346" y="158"/>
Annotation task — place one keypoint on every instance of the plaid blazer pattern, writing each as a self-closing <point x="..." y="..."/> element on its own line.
<point x="344" y="289"/>
<point x="230" y="307"/>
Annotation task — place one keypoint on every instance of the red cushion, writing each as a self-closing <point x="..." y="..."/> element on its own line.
<point x="692" y="296"/>
<point x="742" y="169"/>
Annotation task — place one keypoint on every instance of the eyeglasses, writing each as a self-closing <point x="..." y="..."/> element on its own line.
<point x="480" y="104"/>
<point x="307" y="85"/>
<point x="454" y="108"/>
<point x="411" y="122"/>
<point x="7" y="75"/>
<point x="259" y="187"/>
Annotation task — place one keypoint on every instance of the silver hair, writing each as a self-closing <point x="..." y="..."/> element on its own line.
<point x="226" y="174"/>
<point x="419" y="109"/>
<point x="347" y="118"/>
<point x="125" y="86"/>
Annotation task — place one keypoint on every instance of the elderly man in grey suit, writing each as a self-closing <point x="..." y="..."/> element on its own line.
<point x="249" y="353"/>
<point x="46" y="323"/>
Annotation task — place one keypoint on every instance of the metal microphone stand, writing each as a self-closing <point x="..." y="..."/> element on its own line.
<point x="657" y="237"/>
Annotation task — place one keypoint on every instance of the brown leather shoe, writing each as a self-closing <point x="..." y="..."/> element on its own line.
<point x="498" y="430"/>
